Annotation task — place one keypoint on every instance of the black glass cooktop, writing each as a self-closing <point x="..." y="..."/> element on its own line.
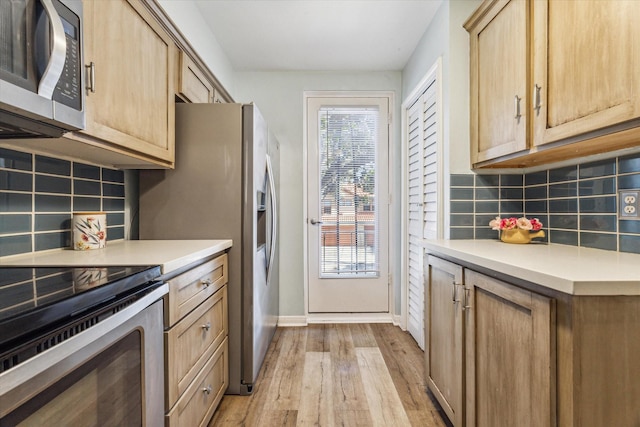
<point x="35" y="298"/>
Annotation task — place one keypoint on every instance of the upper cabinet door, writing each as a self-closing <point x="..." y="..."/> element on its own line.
<point x="499" y="63"/>
<point x="193" y="85"/>
<point x="131" y="104"/>
<point x="586" y="62"/>
<point x="553" y="80"/>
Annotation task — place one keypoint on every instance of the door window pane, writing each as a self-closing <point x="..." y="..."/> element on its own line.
<point x="348" y="195"/>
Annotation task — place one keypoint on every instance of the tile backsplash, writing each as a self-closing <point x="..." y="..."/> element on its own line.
<point x="38" y="195"/>
<point x="578" y="205"/>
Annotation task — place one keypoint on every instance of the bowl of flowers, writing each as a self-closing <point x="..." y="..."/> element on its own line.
<point x="517" y="230"/>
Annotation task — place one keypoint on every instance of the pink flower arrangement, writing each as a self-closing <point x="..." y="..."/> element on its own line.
<point x="512" y="223"/>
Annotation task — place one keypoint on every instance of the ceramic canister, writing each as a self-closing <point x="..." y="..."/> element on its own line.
<point x="89" y="230"/>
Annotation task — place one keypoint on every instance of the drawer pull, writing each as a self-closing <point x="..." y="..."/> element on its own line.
<point x="207" y="326"/>
<point x="206" y="282"/>
<point x="207" y="389"/>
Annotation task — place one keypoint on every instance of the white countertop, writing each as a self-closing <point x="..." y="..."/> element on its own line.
<point x="569" y="269"/>
<point x="170" y="255"/>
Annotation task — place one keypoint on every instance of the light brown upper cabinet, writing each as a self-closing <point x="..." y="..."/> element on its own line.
<point x="586" y="64"/>
<point x="193" y="85"/>
<point x="499" y="62"/>
<point x="130" y="62"/>
<point x="553" y="80"/>
<point x="218" y="97"/>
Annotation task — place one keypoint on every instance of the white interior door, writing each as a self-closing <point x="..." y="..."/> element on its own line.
<point x="415" y="209"/>
<point x="423" y="219"/>
<point x="347" y="204"/>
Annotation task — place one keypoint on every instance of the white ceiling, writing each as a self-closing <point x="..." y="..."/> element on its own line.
<point x="320" y="35"/>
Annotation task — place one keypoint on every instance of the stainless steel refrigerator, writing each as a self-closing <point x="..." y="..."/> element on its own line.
<point x="223" y="187"/>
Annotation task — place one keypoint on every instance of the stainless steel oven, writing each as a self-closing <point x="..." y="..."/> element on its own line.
<point x="92" y="357"/>
<point x="41" y="73"/>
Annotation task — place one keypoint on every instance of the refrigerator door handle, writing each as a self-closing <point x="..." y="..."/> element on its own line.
<point x="274" y="217"/>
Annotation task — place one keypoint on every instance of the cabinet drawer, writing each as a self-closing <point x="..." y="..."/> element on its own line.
<point x="197" y="404"/>
<point x="192" y="341"/>
<point x="191" y="288"/>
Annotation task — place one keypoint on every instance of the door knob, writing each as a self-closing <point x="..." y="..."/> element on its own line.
<point x="314" y="221"/>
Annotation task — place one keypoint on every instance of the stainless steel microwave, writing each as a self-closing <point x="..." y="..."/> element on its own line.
<point x="41" y="73"/>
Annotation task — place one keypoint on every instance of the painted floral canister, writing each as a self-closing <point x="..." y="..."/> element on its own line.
<point x="89" y="230"/>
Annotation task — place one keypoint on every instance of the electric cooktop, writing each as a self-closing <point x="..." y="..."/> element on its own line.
<point x="36" y="299"/>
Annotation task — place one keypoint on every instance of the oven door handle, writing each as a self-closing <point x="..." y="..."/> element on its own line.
<point x="55" y="66"/>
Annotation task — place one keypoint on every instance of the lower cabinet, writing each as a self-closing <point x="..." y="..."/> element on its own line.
<point x="489" y="344"/>
<point x="444" y="346"/>
<point x="197" y="404"/>
<point x="509" y="366"/>
<point x="515" y="353"/>
<point x="196" y="343"/>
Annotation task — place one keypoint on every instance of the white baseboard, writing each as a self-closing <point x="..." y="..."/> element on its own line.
<point x="349" y="318"/>
<point x="292" y="321"/>
<point x="296" y="321"/>
<point x="397" y="321"/>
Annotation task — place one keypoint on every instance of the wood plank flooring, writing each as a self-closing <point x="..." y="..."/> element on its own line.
<point x="337" y="375"/>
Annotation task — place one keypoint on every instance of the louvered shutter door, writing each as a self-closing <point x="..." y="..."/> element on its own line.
<point x="430" y="163"/>
<point x="415" y="323"/>
<point x="422" y="194"/>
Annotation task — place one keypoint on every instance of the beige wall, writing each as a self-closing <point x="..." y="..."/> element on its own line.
<point x="447" y="38"/>
<point x="187" y="17"/>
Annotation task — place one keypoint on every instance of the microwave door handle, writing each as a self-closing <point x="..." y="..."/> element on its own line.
<point x="54" y="68"/>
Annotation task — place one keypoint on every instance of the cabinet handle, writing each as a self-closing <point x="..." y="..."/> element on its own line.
<point x="91" y="84"/>
<point x="207" y="389"/>
<point x="466" y="300"/>
<point x="206" y="282"/>
<point x="537" y="101"/>
<point x="455" y="292"/>
<point x="207" y="326"/>
<point x="517" y="100"/>
<point x="453" y="296"/>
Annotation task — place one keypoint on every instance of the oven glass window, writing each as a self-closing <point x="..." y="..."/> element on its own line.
<point x="104" y="391"/>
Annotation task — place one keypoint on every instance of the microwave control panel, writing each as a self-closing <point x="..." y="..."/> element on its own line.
<point x="68" y="90"/>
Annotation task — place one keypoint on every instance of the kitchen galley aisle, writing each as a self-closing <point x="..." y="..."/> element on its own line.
<point x="336" y="374"/>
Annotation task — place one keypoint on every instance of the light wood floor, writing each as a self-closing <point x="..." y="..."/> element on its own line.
<point x="336" y="375"/>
